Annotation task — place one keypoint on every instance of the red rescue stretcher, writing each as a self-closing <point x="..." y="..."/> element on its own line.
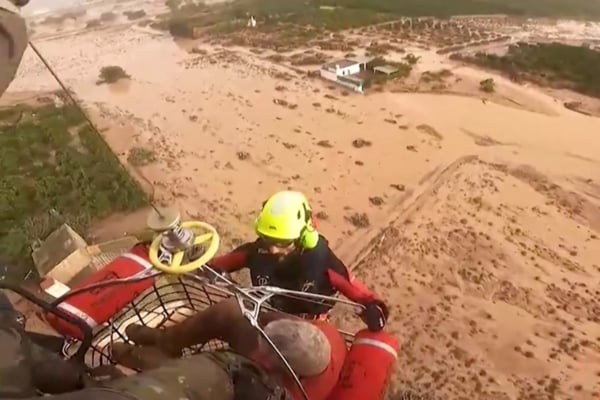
<point x="156" y="284"/>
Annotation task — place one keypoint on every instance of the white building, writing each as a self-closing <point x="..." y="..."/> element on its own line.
<point x="341" y="68"/>
<point x="344" y="72"/>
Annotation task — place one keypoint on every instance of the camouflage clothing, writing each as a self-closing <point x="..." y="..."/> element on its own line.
<point x="16" y="358"/>
<point x="195" y="378"/>
<point x="26" y="367"/>
<point x="223" y="321"/>
<point x="250" y="381"/>
<point x="216" y="375"/>
<point x="86" y="394"/>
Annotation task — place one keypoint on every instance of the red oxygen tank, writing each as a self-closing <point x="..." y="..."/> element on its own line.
<point x="367" y="368"/>
<point x="97" y="306"/>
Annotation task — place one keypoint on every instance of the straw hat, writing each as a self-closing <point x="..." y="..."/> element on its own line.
<point x="304" y="346"/>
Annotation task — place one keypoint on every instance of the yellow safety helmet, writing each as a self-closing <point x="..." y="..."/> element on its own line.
<point x="287" y="216"/>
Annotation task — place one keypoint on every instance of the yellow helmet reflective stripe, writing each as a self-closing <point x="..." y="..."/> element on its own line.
<point x="284" y="216"/>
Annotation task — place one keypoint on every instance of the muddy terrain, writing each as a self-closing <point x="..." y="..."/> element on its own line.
<point x="475" y="216"/>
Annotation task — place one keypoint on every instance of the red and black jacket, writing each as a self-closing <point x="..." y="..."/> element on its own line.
<point x="317" y="270"/>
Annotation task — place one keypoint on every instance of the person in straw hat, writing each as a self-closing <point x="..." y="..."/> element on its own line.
<point x="314" y="349"/>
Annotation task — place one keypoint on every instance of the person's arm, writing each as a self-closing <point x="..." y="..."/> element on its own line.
<point x="343" y="281"/>
<point x="376" y="311"/>
<point x="232" y="261"/>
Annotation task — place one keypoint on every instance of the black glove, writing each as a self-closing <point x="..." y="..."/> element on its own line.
<point x="375" y="315"/>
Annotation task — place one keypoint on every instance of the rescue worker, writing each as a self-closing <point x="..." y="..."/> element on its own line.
<point x="22" y="361"/>
<point x="291" y="254"/>
<point x="13" y="40"/>
<point x="315" y="349"/>
<point x="15" y="372"/>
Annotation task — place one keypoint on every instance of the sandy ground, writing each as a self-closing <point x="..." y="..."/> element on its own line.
<point x="483" y="216"/>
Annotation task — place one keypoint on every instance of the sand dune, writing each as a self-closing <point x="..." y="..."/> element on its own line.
<point x="478" y="221"/>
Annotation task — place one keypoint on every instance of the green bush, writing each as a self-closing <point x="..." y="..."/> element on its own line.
<point x="555" y="64"/>
<point x="139" y="157"/>
<point x="411" y="59"/>
<point x="487" y="85"/>
<point x="445" y="8"/>
<point x="344" y="14"/>
<point x="108" y="16"/>
<point x="133" y="15"/>
<point x="181" y="28"/>
<point x="94" y="23"/>
<point x="112" y="74"/>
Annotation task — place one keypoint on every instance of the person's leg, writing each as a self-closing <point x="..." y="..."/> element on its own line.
<point x="16" y="359"/>
<point x="222" y="321"/>
<point x="53" y="375"/>
<point x="47" y="371"/>
<point x="51" y="343"/>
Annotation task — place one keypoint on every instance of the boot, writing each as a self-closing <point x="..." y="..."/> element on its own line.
<point x="143" y="335"/>
<point x="217" y="321"/>
<point x="223" y="321"/>
<point x="138" y="357"/>
<point x="155" y="337"/>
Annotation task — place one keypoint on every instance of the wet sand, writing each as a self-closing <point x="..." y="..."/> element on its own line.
<point x="477" y="221"/>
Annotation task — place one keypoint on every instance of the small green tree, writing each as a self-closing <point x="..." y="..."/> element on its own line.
<point x="173" y="5"/>
<point x="132" y="15"/>
<point x="487" y="85"/>
<point x="139" y="157"/>
<point x="181" y="27"/>
<point x="108" y="16"/>
<point x="94" y="23"/>
<point x="411" y="59"/>
<point x="112" y="74"/>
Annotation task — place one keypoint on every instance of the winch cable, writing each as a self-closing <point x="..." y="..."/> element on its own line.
<point x="77" y="104"/>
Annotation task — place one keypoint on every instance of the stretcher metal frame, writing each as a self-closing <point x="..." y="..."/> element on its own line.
<point x="171" y="299"/>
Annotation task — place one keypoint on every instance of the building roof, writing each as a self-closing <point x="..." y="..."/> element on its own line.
<point x="386" y="69"/>
<point x="339" y="64"/>
<point x="362" y="59"/>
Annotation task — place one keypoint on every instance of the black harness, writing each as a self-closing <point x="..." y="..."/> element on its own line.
<point x="304" y="270"/>
<point x="250" y="381"/>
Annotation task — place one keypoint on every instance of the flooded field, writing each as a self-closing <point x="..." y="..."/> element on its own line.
<point x="477" y="217"/>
